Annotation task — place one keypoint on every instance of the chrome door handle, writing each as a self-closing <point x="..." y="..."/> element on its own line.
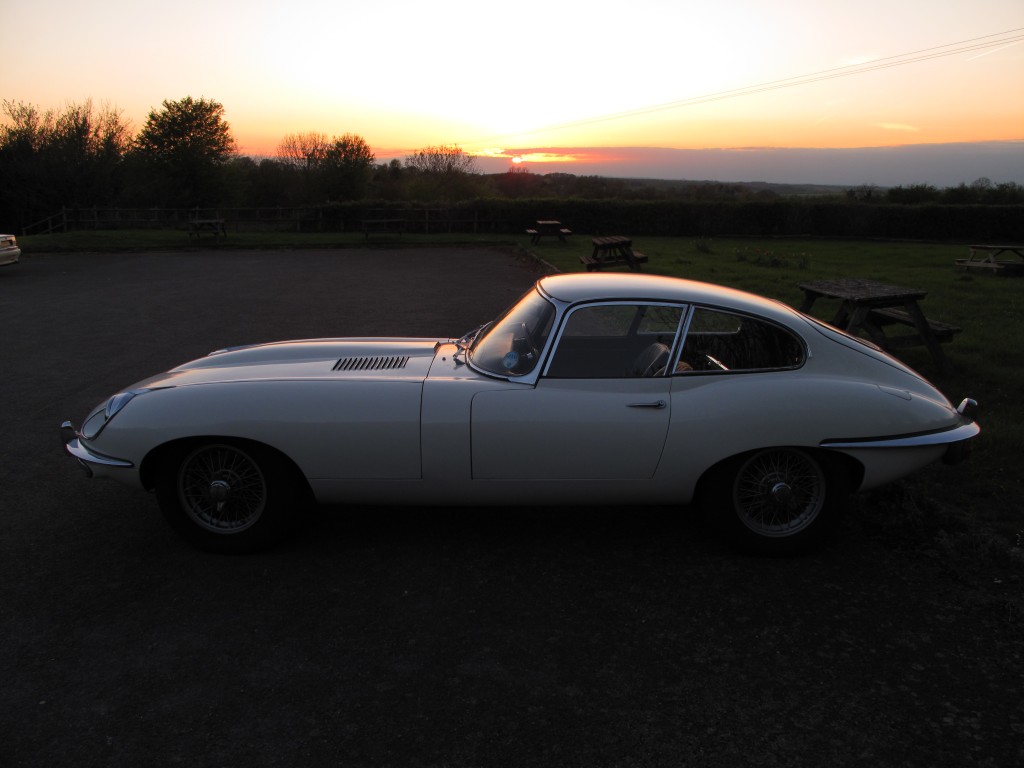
<point x="655" y="404"/>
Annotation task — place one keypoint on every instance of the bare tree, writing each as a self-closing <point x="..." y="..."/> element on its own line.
<point x="444" y="160"/>
<point x="304" y="151"/>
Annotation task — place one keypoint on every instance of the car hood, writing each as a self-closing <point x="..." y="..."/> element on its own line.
<point x="311" y="359"/>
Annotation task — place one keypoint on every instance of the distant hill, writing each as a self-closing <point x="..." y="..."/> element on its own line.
<point x="940" y="165"/>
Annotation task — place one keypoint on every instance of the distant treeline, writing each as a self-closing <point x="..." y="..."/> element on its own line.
<point x="184" y="158"/>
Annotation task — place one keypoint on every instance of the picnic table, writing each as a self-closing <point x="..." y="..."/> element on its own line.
<point x="986" y="257"/>
<point x="548" y="228"/>
<point x="612" y="251"/>
<point x="869" y="307"/>
<point x="197" y="226"/>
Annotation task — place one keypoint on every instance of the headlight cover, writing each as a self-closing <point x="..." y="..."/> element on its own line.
<point x="99" y="418"/>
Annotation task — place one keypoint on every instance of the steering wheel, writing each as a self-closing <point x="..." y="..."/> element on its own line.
<point x="712" y="362"/>
<point x="651" y="361"/>
<point x="530" y="341"/>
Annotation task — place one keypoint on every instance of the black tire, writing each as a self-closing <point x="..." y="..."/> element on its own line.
<point x="776" y="501"/>
<point x="229" y="497"/>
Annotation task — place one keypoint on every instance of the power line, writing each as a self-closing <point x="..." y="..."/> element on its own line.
<point x="1008" y="37"/>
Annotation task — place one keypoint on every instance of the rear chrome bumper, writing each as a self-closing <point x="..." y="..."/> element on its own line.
<point x="88" y="460"/>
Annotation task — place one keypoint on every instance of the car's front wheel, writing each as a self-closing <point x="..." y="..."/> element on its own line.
<point x="776" y="501"/>
<point x="228" y="497"/>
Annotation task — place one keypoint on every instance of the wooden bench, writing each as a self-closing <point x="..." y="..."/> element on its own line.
<point x="613" y="251"/>
<point x="943" y="332"/>
<point x="197" y="226"/>
<point x="985" y="257"/>
<point x="548" y="229"/>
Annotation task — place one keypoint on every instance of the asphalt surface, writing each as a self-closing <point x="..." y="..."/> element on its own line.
<point x="431" y="637"/>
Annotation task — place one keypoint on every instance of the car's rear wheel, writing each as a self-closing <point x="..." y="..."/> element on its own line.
<point x="228" y="497"/>
<point x="776" y="501"/>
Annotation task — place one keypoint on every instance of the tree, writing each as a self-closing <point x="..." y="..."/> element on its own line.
<point x="443" y="160"/>
<point x="518" y="181"/>
<point x="85" y="152"/>
<point x="446" y="173"/>
<point x="304" y="151"/>
<point x="187" y="144"/>
<point x="338" y="168"/>
<point x="347" y="167"/>
<point x="49" y="160"/>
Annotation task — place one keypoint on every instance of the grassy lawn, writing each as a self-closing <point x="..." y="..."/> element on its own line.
<point x="987" y="357"/>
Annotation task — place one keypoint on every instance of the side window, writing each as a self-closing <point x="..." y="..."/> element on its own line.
<point x="611" y="341"/>
<point x="722" y="341"/>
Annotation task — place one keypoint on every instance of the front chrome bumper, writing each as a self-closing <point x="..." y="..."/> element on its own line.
<point x="87" y="460"/>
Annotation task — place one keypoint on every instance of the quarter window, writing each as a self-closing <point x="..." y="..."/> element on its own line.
<point x="723" y="341"/>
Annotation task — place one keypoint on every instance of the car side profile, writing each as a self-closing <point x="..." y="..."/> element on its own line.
<point x="600" y="388"/>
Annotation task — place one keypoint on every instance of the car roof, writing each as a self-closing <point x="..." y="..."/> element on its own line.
<point x="605" y="286"/>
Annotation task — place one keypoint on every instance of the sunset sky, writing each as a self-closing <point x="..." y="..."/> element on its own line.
<point x="512" y="78"/>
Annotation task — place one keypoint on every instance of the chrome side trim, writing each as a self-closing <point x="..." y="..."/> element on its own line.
<point x="954" y="435"/>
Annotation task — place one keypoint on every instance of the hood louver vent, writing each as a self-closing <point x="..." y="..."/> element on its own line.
<point x="385" y="363"/>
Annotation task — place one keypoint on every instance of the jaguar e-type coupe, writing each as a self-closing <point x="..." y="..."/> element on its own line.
<point x="620" y="389"/>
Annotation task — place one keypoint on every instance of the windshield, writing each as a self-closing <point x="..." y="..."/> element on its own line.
<point x="512" y="345"/>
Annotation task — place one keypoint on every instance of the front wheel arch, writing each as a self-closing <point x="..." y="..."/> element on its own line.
<point x="777" y="501"/>
<point x="150" y="466"/>
<point x="284" y="492"/>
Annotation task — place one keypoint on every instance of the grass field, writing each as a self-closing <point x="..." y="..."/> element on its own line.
<point x="987" y="358"/>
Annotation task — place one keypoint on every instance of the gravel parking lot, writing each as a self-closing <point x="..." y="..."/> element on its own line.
<point x="431" y="637"/>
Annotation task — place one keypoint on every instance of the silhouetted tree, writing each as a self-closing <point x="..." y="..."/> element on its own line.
<point x="49" y="160"/>
<point x="441" y="160"/>
<point x="442" y="173"/>
<point x="388" y="181"/>
<point x="303" y="151"/>
<point x="347" y="167"/>
<point x="186" y="146"/>
<point x="326" y="169"/>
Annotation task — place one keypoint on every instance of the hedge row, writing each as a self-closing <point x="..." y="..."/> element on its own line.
<point x="780" y="218"/>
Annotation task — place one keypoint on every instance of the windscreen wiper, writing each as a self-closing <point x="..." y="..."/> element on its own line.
<point x="465" y="342"/>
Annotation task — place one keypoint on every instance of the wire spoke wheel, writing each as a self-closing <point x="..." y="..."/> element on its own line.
<point x="222" y="488"/>
<point x="779" y="492"/>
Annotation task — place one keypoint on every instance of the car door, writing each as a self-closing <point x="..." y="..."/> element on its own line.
<point x="600" y="409"/>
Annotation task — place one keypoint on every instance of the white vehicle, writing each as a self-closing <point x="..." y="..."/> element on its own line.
<point x="9" y="250"/>
<point x="616" y="389"/>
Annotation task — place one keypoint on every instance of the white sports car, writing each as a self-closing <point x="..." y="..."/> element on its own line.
<point x="592" y="389"/>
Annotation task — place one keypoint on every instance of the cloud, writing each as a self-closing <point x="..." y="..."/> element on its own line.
<point x="898" y="127"/>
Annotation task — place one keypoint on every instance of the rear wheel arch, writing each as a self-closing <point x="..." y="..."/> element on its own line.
<point x="777" y="500"/>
